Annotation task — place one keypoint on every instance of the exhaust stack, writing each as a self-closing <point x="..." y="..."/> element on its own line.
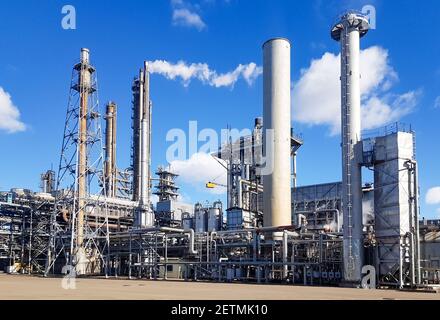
<point x="348" y="31"/>
<point x="84" y="89"/>
<point x="277" y="123"/>
<point x="110" y="150"/>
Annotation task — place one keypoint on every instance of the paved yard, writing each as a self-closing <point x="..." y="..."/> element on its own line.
<point x="27" y="287"/>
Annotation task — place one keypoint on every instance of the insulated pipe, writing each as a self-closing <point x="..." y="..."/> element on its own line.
<point x="286" y="235"/>
<point x="144" y="165"/>
<point x="191" y="235"/>
<point x="114" y="169"/>
<point x="141" y="137"/>
<point x="417" y="225"/>
<point x="147" y="118"/>
<point x="277" y="125"/>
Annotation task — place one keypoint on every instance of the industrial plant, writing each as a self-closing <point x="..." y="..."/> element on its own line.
<point x="100" y="219"/>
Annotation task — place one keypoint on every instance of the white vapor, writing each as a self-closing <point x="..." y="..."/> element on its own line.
<point x="437" y="102"/>
<point x="317" y="98"/>
<point x="202" y="72"/>
<point x="433" y="196"/>
<point x="9" y="114"/>
<point x="200" y="169"/>
<point x="184" y="16"/>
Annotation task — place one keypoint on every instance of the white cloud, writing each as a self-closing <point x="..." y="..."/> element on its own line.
<point x="154" y="199"/>
<point x="9" y="114"/>
<point x="200" y="169"/>
<point x="202" y="72"/>
<point x="316" y="96"/>
<point x="437" y="102"/>
<point x="379" y="111"/>
<point x="433" y="196"/>
<point x="183" y="15"/>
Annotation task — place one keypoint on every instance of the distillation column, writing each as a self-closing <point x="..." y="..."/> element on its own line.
<point x="349" y="30"/>
<point x="110" y="150"/>
<point x="145" y="216"/>
<point x="277" y="123"/>
<point x="137" y="115"/>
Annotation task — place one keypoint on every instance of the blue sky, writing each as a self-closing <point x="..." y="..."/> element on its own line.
<point x="37" y="55"/>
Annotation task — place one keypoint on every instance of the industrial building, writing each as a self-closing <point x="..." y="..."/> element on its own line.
<point x="100" y="219"/>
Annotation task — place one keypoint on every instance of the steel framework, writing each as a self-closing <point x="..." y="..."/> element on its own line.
<point x="79" y="233"/>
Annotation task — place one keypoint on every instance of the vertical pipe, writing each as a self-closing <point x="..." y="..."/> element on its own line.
<point x="146" y="136"/>
<point x="285" y="253"/>
<point x="84" y="88"/>
<point x="277" y="122"/>
<point x="114" y="169"/>
<point x="412" y="220"/>
<point x="147" y="114"/>
<point x="144" y="164"/>
<point x="110" y="152"/>
<point x="294" y="170"/>
<point x="417" y="226"/>
<point x="166" y="258"/>
<point x="140" y="131"/>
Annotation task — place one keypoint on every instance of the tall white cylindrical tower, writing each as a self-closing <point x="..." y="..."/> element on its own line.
<point x="145" y="216"/>
<point x="277" y="123"/>
<point x="350" y="28"/>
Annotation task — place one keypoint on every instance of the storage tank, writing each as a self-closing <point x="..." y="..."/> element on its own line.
<point x="187" y="221"/>
<point x="213" y="219"/>
<point x="200" y="217"/>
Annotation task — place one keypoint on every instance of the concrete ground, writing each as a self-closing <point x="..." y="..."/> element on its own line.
<point x="35" y="288"/>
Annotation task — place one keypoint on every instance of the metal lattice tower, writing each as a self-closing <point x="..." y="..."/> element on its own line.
<point x="166" y="189"/>
<point x="79" y="223"/>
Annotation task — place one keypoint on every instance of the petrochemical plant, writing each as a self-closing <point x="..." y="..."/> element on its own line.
<point x="100" y="219"/>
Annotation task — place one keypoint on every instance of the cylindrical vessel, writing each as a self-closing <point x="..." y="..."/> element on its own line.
<point x="213" y="219"/>
<point x="277" y="123"/>
<point x="200" y="220"/>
